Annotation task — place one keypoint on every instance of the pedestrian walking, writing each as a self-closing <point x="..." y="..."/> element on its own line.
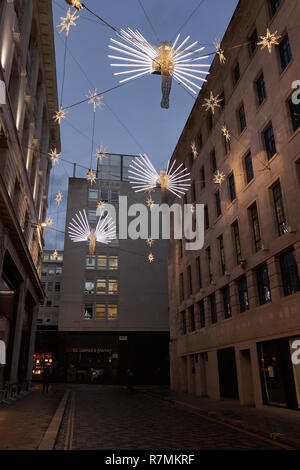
<point x="46" y="379"/>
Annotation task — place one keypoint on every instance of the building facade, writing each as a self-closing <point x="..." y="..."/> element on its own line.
<point x="114" y="305"/>
<point x="27" y="132"/>
<point x="235" y="309"/>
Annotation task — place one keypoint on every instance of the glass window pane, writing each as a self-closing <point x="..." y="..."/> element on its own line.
<point x="113" y="262"/>
<point x="101" y="286"/>
<point x="112" y="312"/>
<point x="101" y="262"/>
<point x="90" y="262"/>
<point x="89" y="287"/>
<point x="112" y="286"/>
<point x="100" y="311"/>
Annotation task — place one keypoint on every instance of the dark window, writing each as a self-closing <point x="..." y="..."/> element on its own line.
<point x="57" y="287"/>
<point x="294" y="114"/>
<point x="226" y="302"/>
<point x="200" y="140"/>
<point x="183" y="319"/>
<point x="236" y="73"/>
<point x="243" y="294"/>
<point x="285" y="52"/>
<point x="88" y="312"/>
<point x="231" y="184"/>
<point x="189" y="276"/>
<point x="222" y="97"/>
<point x="279" y="209"/>
<point x="213" y="308"/>
<point x="253" y="41"/>
<point x="209" y="264"/>
<point x="289" y="273"/>
<point x="202" y="313"/>
<point x="226" y="145"/>
<point x="263" y="284"/>
<point x="49" y="303"/>
<point x="181" y="287"/>
<point x="261" y="89"/>
<point x="274" y="4"/>
<point x="213" y="161"/>
<point x="270" y="142"/>
<point x="50" y="286"/>
<point x="206" y="218"/>
<point x="210" y="122"/>
<point x="218" y="203"/>
<point x="237" y="241"/>
<point x="242" y="118"/>
<point x="192" y="318"/>
<point x="180" y="242"/>
<point x="222" y="254"/>
<point x="202" y="176"/>
<point x="198" y="267"/>
<point x="249" y="168"/>
<point x="255" y="227"/>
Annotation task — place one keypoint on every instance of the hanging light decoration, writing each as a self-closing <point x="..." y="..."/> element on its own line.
<point x="220" y="51"/>
<point x="67" y="22"/>
<point x="58" y="198"/>
<point x="151" y="258"/>
<point x="75" y="3"/>
<point x="49" y="221"/>
<point x="150" y="241"/>
<point x="55" y="157"/>
<point x="55" y="254"/>
<point x="218" y="177"/>
<point x="91" y="176"/>
<point x="150" y="203"/>
<point x="193" y="208"/>
<point x="59" y="115"/>
<point x="269" y="40"/>
<point x="212" y="102"/>
<point x="101" y="153"/>
<point x="144" y="177"/>
<point x="100" y="205"/>
<point x="226" y="133"/>
<point x="80" y="231"/>
<point x="166" y="60"/>
<point x="194" y="150"/>
<point x="95" y="99"/>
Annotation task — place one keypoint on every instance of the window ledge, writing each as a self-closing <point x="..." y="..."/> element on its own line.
<point x="261" y="105"/>
<point x="282" y="74"/>
<point x="294" y="135"/>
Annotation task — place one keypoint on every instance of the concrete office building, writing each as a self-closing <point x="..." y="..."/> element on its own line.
<point x="113" y="308"/>
<point x="235" y="308"/>
<point x="27" y="132"/>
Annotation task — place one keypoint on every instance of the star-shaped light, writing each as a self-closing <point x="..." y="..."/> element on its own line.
<point x="55" y="157"/>
<point x="101" y="153"/>
<point x="58" y="197"/>
<point x="91" y="176"/>
<point x="75" y="3"/>
<point x="212" y="102"/>
<point x="59" y="115"/>
<point x="49" y="221"/>
<point x="100" y="205"/>
<point x="218" y="177"/>
<point x="150" y="241"/>
<point x="150" y="203"/>
<point x="67" y="22"/>
<point x="269" y="40"/>
<point x="150" y="258"/>
<point x="95" y="99"/>
<point x="220" y="51"/>
<point x="226" y="133"/>
<point x="55" y="254"/>
<point x="194" y="150"/>
<point x="193" y="208"/>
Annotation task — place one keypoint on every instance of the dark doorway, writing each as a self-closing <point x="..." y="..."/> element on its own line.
<point x="227" y="374"/>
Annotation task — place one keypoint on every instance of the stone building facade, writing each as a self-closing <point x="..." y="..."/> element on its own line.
<point x="27" y="133"/>
<point x="235" y="308"/>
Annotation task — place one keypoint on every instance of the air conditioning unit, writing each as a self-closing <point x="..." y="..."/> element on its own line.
<point x="291" y="229"/>
<point x="264" y="248"/>
<point x="243" y="262"/>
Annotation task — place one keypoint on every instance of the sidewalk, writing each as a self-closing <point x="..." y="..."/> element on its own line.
<point x="24" y="422"/>
<point x="267" y="422"/>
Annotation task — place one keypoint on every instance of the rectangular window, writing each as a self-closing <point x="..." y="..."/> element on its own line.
<point x="189" y="277"/>
<point x="206" y="218"/>
<point x="236" y="74"/>
<point x="227" y="146"/>
<point x="183" y="323"/>
<point x="222" y="97"/>
<point x="202" y="313"/>
<point x="101" y="286"/>
<point x="58" y="271"/>
<point x="261" y="89"/>
<point x="242" y="118"/>
<point x="213" y="308"/>
<point x="89" y="287"/>
<point x="50" y="287"/>
<point x="218" y="203"/>
<point x="44" y="285"/>
<point x="253" y="41"/>
<point x="88" y="312"/>
<point x="279" y="210"/>
<point x="255" y="227"/>
<point x="210" y="122"/>
<point x="263" y="284"/>
<point x="209" y="264"/>
<point x="222" y="254"/>
<point x="57" y="287"/>
<point x="90" y="262"/>
<point x="112" y="312"/>
<point x="181" y="287"/>
<point x="200" y="141"/>
<point x="93" y="194"/>
<point x="270" y="142"/>
<point x="92" y="216"/>
<point x="49" y="303"/>
<point x="101" y="262"/>
<point x="289" y="273"/>
<point x="231" y="185"/>
<point x="226" y="302"/>
<point x="192" y="318"/>
<point x="114" y="196"/>
<point x="100" y="311"/>
<point x="44" y="271"/>
<point x="213" y="161"/>
<point x="202" y="177"/>
<point x="237" y="242"/>
<point x="274" y="5"/>
<point x="285" y="52"/>
<point x="294" y="114"/>
<point x="249" y="168"/>
<point x="113" y="286"/>
<point x="51" y="271"/>
<point x="198" y="267"/>
<point x="104" y="195"/>
<point x="113" y="262"/>
<point x="243" y="294"/>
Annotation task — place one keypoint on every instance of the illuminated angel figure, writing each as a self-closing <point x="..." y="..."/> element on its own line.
<point x="226" y="133"/>
<point x="95" y="99"/>
<point x="269" y="40"/>
<point x="101" y="153"/>
<point x="80" y="231"/>
<point x="194" y="150"/>
<point x="220" y="51"/>
<point x="49" y="221"/>
<point x="55" y="255"/>
<point x="144" y="177"/>
<point x="55" y="157"/>
<point x="91" y="176"/>
<point x="166" y="60"/>
<point x="75" y="3"/>
<point x="150" y="203"/>
<point x="67" y="22"/>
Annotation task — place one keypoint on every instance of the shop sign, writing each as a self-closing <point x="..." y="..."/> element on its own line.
<point x="91" y="350"/>
<point x="122" y="338"/>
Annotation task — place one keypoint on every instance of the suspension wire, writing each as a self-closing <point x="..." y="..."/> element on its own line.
<point x="93" y="134"/>
<point x="149" y="21"/>
<point x="189" y="18"/>
<point x="64" y="72"/>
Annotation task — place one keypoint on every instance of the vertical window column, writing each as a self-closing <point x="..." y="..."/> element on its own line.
<point x="297" y="254"/>
<point x="275" y="278"/>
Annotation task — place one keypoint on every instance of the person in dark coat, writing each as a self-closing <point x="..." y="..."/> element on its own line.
<point x="46" y="379"/>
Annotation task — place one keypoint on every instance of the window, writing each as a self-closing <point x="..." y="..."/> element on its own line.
<point x="112" y="286"/>
<point x="227" y="146"/>
<point x="50" y="287"/>
<point x="88" y="312"/>
<point x="261" y="89"/>
<point x="51" y="271"/>
<point x="192" y="318"/>
<point x="222" y="97"/>
<point x="226" y="302"/>
<point x="206" y="218"/>
<point x="243" y="294"/>
<point x="44" y="285"/>
<point x="201" y="313"/>
<point x="274" y="5"/>
<point x="198" y="267"/>
<point x="183" y="323"/>
<point x="57" y="287"/>
<point x="236" y="74"/>
<point x="93" y="194"/>
<point x="242" y="118"/>
<point x="44" y="271"/>
<point x="218" y="203"/>
<point x="213" y="161"/>
<point x="255" y="227"/>
<point x="92" y="216"/>
<point x="202" y="177"/>
<point x="270" y="142"/>
<point x="100" y="311"/>
<point x="89" y="287"/>
<point x="101" y="286"/>
<point x="112" y="312"/>
<point x="213" y="308"/>
<point x="210" y="122"/>
<point x="289" y="273"/>
<point x="56" y="303"/>
<point x="209" y="264"/>
<point x="49" y="303"/>
<point x="200" y="141"/>
<point x="294" y="114"/>
<point x="90" y="262"/>
<point x="222" y="254"/>
<point x="237" y="242"/>
<point x="189" y="276"/>
<point x="42" y="303"/>
<point x="249" y="168"/>
<point x="231" y="185"/>
<point x="253" y="41"/>
<point x="285" y="52"/>
<point x="58" y="271"/>
<point x="181" y="287"/>
<point x="114" y="196"/>
<point x="279" y="210"/>
<point x="101" y="261"/>
<point x="263" y="284"/>
<point x="113" y="262"/>
<point x="104" y="195"/>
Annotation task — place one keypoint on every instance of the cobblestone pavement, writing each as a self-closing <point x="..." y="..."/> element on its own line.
<point x="113" y="418"/>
